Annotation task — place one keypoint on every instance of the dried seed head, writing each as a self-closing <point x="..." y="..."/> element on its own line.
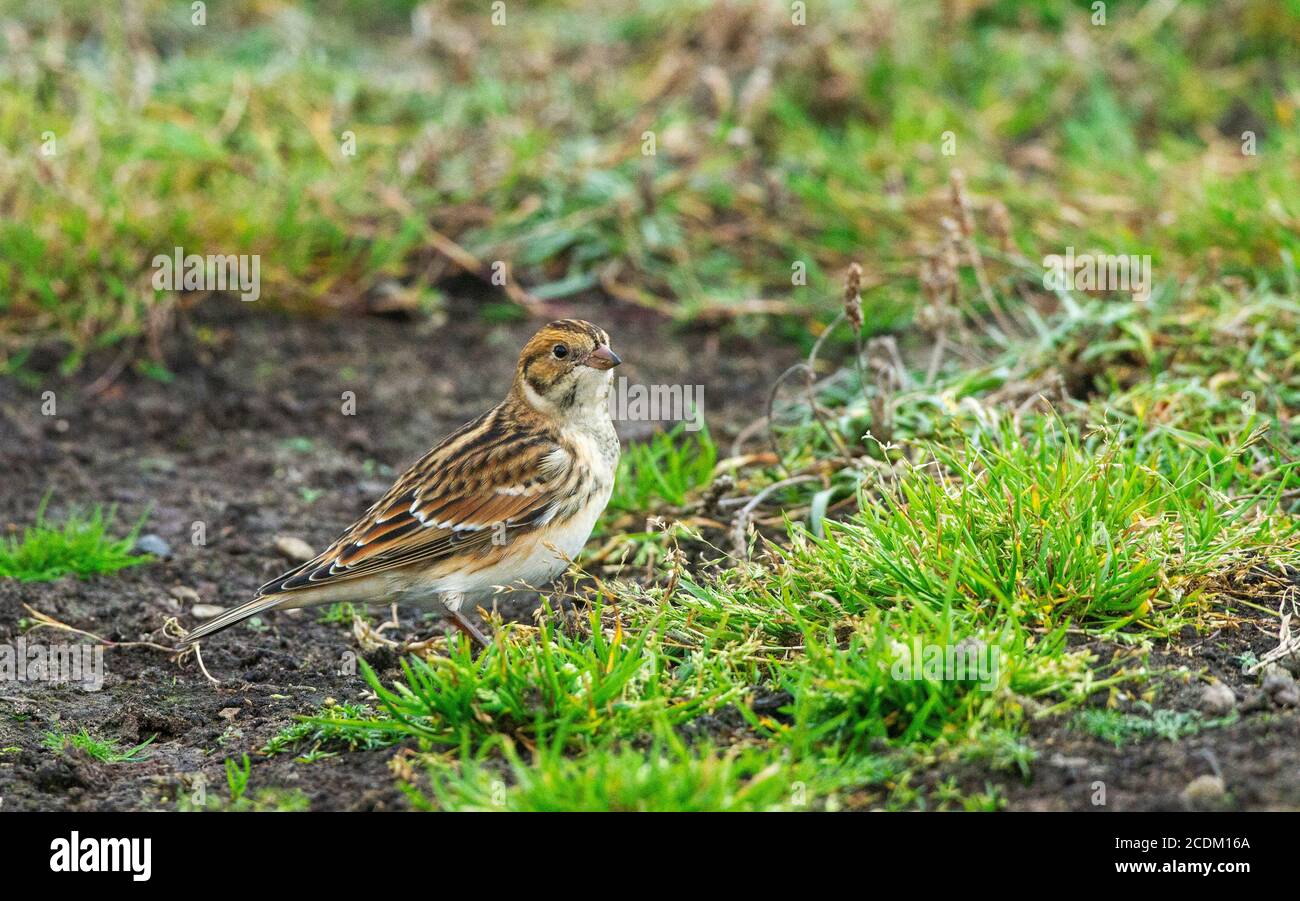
<point x="887" y="383"/>
<point x="754" y="96"/>
<point x="931" y="280"/>
<point x="720" y="486"/>
<point x="949" y="258"/>
<point x="1000" y="226"/>
<point x="937" y="284"/>
<point x="961" y="202"/>
<point x="853" y="296"/>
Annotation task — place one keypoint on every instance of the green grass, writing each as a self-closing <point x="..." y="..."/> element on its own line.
<point x="663" y="470"/>
<point x="1038" y="528"/>
<point x="340" y="614"/>
<point x="105" y="750"/>
<point x="1122" y="728"/>
<point x="323" y="739"/>
<point x="629" y="779"/>
<point x="241" y="799"/>
<point x="548" y="684"/>
<point x="82" y="545"/>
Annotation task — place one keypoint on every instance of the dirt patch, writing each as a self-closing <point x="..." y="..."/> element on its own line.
<point x="1254" y="750"/>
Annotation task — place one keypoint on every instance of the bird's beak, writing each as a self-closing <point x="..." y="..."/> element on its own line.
<point x="603" y="358"/>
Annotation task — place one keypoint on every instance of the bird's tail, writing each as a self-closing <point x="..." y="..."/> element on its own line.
<point x="259" y="604"/>
<point x="271" y="597"/>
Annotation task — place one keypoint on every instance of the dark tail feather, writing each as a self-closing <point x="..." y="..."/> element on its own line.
<point x="269" y="597"/>
<point x="257" y="605"/>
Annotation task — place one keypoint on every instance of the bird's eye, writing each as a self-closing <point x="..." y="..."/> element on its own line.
<point x="560" y="351"/>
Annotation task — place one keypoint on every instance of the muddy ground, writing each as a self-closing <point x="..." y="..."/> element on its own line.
<point x="249" y="439"/>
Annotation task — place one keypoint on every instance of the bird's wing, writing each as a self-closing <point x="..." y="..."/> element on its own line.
<point x="474" y="484"/>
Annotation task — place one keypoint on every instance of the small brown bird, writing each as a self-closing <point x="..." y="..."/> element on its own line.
<point x="509" y="498"/>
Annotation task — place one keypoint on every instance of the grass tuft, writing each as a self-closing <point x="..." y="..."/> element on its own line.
<point x="240" y="799"/>
<point x="663" y="470"/>
<point x="1122" y="728"/>
<point x="620" y="780"/>
<point x="105" y="750"/>
<point x="326" y="737"/>
<point x="543" y="684"/>
<point x="81" y="546"/>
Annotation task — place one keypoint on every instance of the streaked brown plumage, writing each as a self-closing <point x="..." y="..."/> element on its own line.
<point x="507" y="497"/>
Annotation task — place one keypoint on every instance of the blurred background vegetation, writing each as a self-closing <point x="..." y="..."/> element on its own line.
<point x="126" y="130"/>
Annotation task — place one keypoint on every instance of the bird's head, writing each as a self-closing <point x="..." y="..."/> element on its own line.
<point x="566" y="368"/>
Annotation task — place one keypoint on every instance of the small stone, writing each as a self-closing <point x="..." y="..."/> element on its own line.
<point x="185" y="594"/>
<point x="1274" y="679"/>
<point x="152" y="544"/>
<point x="1204" y="788"/>
<point x="739" y="136"/>
<point x="1218" y="699"/>
<point x="294" y="549"/>
<point x="1288" y="697"/>
<point x="206" y="611"/>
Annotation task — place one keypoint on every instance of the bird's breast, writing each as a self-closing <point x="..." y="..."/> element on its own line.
<point x="595" y="451"/>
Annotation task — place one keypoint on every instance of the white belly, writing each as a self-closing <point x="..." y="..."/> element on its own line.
<point x="531" y="560"/>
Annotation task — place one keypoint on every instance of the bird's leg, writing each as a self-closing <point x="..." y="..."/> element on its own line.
<point x="391" y="623"/>
<point x="451" y="607"/>
<point x="460" y="621"/>
<point x="453" y="603"/>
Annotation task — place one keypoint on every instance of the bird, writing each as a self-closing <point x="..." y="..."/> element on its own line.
<point x="508" y="498"/>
